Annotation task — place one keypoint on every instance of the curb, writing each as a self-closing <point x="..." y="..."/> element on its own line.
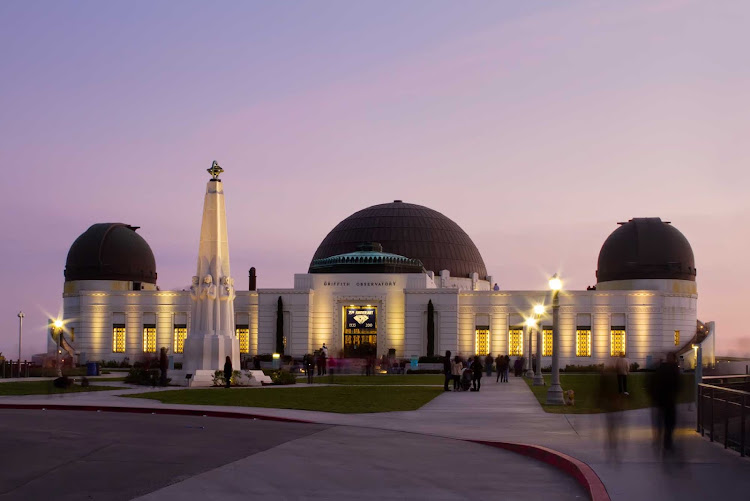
<point x="569" y="465"/>
<point x="583" y="473"/>
<point x="146" y="410"/>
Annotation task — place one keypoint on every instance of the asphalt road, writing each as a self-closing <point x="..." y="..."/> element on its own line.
<point x="65" y="455"/>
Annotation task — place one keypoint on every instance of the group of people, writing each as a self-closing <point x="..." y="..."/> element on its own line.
<point x="458" y="371"/>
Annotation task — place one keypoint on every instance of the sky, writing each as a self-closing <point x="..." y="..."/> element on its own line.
<point x="536" y="126"/>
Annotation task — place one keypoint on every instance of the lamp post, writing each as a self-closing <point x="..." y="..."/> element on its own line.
<point x="20" y="335"/>
<point x="530" y="323"/>
<point x="555" y="392"/>
<point x="58" y="326"/>
<point x="538" y="378"/>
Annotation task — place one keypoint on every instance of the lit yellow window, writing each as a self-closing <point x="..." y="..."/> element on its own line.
<point x="180" y="333"/>
<point x="149" y="338"/>
<point x="118" y="338"/>
<point x="482" y="345"/>
<point x="515" y="342"/>
<point x="617" y="342"/>
<point x="547" y="343"/>
<point x="676" y="338"/>
<point x="583" y="342"/>
<point x="243" y="334"/>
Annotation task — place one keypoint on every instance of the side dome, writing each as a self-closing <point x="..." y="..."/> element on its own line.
<point x="110" y="251"/>
<point x="646" y="248"/>
<point x="407" y="230"/>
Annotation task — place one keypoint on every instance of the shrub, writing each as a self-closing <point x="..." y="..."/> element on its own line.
<point x="584" y="368"/>
<point x="143" y="376"/>
<point x="435" y="359"/>
<point x="283" y="377"/>
<point x="178" y="366"/>
<point x="218" y="379"/>
<point x="634" y="366"/>
<point x="424" y="371"/>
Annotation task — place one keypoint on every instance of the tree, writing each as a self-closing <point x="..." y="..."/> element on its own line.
<point x="280" y="327"/>
<point x="430" y="329"/>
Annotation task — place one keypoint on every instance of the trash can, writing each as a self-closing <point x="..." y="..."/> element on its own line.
<point x="91" y="369"/>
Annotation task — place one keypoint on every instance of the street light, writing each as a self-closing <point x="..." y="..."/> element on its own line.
<point x="538" y="378"/>
<point x="20" y="335"/>
<point x="58" y="327"/>
<point x="530" y="323"/>
<point x="555" y="392"/>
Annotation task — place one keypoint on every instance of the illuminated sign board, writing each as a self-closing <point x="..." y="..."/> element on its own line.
<point x="360" y="318"/>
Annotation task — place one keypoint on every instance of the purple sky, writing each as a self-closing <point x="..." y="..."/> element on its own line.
<point x="535" y="126"/>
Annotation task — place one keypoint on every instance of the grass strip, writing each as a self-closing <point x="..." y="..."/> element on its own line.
<point x="586" y="386"/>
<point x="341" y="399"/>
<point x="396" y="379"/>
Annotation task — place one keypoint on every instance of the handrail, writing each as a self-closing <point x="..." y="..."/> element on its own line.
<point x="733" y="376"/>
<point x="722" y="388"/>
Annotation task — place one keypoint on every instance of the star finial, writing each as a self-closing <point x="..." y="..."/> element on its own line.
<point x="215" y="170"/>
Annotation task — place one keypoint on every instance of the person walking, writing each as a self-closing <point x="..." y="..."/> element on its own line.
<point x="309" y="367"/>
<point x="457" y="368"/>
<point x="447" y="370"/>
<point x="476" y="374"/>
<point x="506" y="372"/>
<point x="622" y="367"/>
<point x="664" y="387"/>
<point x="488" y="364"/>
<point x="163" y="366"/>
<point x="228" y="372"/>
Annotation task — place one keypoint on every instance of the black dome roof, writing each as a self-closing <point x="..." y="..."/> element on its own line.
<point x="408" y="230"/>
<point x="110" y="251"/>
<point x="646" y="248"/>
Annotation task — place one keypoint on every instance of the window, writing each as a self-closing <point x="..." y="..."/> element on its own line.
<point x="243" y="333"/>
<point x="482" y="344"/>
<point x="515" y="341"/>
<point x="677" y="338"/>
<point x="118" y="338"/>
<point x="180" y="333"/>
<point x="149" y="338"/>
<point x="583" y="342"/>
<point x="617" y="341"/>
<point x="547" y="342"/>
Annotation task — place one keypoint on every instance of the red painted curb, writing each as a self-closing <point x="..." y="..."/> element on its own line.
<point x="579" y="470"/>
<point x="144" y="410"/>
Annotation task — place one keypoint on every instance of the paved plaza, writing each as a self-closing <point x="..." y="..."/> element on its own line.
<point x="395" y="454"/>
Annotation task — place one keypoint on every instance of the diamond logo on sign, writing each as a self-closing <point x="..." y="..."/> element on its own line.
<point x="361" y="318"/>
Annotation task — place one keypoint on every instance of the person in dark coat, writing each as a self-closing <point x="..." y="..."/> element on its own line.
<point x="163" y="366"/>
<point x="228" y="372"/>
<point x="447" y="370"/>
<point x="664" y="387"/>
<point x="309" y="367"/>
<point x="488" y="364"/>
<point x="476" y="374"/>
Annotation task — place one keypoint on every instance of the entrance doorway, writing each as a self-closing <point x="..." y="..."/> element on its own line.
<point x="360" y="331"/>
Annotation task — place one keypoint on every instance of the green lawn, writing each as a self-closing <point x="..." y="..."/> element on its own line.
<point x="342" y="399"/>
<point x="383" y="379"/>
<point x="585" y="387"/>
<point x="46" y="387"/>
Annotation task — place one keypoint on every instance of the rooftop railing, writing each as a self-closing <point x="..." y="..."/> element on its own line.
<point x="723" y="412"/>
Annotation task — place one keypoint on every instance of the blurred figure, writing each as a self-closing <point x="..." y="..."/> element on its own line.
<point x="447" y="370"/>
<point x="664" y="386"/>
<point x="309" y="367"/>
<point x="476" y="369"/>
<point x="457" y="367"/>
<point x="623" y="367"/>
<point x="228" y="372"/>
<point x="611" y="401"/>
<point x="488" y="364"/>
<point x="499" y="366"/>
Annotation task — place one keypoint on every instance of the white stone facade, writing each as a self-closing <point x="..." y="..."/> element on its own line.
<point x="313" y="315"/>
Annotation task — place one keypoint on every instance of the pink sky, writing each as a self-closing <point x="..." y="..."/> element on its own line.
<point x="535" y="128"/>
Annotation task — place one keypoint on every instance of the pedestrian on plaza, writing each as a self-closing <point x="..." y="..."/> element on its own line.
<point x="664" y="386"/>
<point x="506" y="366"/>
<point x="611" y="402"/>
<point x="488" y="364"/>
<point x="324" y="349"/>
<point x="498" y="367"/>
<point x="476" y="374"/>
<point x="623" y="367"/>
<point x="163" y="366"/>
<point x="517" y="367"/>
<point x="447" y="370"/>
<point x="228" y="372"/>
<point x="309" y="367"/>
<point x="457" y="368"/>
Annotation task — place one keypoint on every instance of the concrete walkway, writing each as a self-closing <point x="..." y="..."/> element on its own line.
<point x="510" y="413"/>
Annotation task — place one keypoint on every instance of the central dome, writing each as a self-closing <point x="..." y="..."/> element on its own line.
<point x="408" y="230"/>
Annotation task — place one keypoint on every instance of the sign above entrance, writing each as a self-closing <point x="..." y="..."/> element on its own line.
<point x="360" y="318"/>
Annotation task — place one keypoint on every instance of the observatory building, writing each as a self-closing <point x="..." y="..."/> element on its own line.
<point x="370" y="287"/>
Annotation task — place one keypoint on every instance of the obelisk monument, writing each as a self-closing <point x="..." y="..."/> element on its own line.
<point x="211" y="337"/>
